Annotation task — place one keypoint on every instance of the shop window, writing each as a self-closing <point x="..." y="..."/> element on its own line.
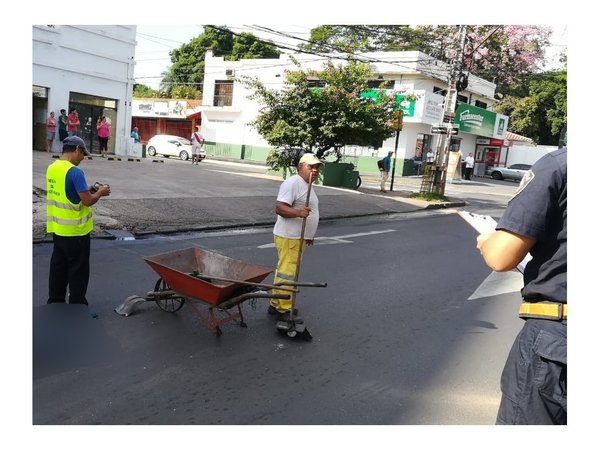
<point x="423" y="145"/>
<point x="455" y="145"/>
<point x="380" y="84"/>
<point x="440" y="91"/>
<point x="480" y="104"/>
<point x="316" y="84"/>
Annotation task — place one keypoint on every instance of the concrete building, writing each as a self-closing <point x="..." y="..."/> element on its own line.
<point x="153" y="116"/>
<point x="89" y="68"/>
<point x="227" y="110"/>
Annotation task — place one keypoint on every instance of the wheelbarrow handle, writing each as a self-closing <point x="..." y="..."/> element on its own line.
<point x="301" y="283"/>
<point x="242" y="298"/>
<point x="210" y="278"/>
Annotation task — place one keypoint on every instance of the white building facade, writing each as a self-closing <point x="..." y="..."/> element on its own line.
<point x="89" y="68"/>
<point x="227" y="110"/>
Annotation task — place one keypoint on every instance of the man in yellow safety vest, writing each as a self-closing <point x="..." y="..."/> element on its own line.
<point x="69" y="218"/>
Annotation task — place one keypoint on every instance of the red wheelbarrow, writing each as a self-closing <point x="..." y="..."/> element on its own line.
<point x="197" y="275"/>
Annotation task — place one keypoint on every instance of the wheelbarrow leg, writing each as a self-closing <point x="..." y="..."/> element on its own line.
<point x="242" y="323"/>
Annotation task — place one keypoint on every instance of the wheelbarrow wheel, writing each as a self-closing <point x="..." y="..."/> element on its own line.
<point x="171" y="304"/>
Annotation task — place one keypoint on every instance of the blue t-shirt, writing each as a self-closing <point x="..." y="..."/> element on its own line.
<point x="75" y="183"/>
<point x="387" y="163"/>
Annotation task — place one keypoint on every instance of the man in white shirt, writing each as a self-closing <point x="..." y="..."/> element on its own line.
<point x="429" y="157"/>
<point x="469" y="163"/>
<point x="197" y="143"/>
<point x="291" y="212"/>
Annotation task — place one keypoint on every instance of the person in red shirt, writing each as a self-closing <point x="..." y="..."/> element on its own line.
<point x="73" y="122"/>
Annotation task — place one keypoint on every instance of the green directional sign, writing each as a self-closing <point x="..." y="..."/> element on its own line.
<point x="407" y="106"/>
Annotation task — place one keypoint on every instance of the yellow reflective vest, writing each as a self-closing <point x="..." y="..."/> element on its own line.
<point x="63" y="217"/>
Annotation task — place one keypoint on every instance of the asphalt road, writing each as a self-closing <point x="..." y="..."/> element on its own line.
<point x="395" y="339"/>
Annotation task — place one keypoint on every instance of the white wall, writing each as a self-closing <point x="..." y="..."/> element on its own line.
<point x="93" y="60"/>
<point x="231" y="124"/>
<point x="527" y="154"/>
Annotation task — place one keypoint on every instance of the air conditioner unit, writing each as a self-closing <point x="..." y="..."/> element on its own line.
<point x="229" y="72"/>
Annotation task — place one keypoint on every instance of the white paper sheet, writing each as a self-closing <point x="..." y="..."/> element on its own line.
<point x="485" y="224"/>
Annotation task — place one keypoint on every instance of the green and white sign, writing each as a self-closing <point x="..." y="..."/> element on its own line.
<point x="407" y="106"/>
<point x="479" y="121"/>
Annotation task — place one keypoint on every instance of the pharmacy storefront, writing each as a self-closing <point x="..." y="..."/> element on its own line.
<point x="490" y="129"/>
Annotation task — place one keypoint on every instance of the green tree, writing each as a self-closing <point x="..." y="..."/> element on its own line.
<point x="321" y="119"/>
<point x="542" y="113"/>
<point x="503" y="54"/>
<point x="185" y="91"/>
<point x="187" y="67"/>
<point x="143" y="91"/>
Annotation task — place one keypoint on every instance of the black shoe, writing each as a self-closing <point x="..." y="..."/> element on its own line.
<point x="272" y="310"/>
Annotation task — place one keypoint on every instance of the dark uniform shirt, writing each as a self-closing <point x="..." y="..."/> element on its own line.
<point x="539" y="210"/>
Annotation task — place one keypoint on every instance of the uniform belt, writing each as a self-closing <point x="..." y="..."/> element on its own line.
<point x="543" y="310"/>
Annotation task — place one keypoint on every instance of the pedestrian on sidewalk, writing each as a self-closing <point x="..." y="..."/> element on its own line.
<point x="73" y="122"/>
<point x="69" y="218"/>
<point x="135" y="135"/>
<point x="103" y="131"/>
<point x="469" y="163"/>
<point x="384" y="172"/>
<point x="429" y="157"/>
<point x="291" y="211"/>
<point x="62" y="125"/>
<point x="197" y="143"/>
<point x="50" y="131"/>
<point x="534" y="380"/>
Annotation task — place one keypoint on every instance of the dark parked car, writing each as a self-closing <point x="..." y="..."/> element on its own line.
<point x="515" y="171"/>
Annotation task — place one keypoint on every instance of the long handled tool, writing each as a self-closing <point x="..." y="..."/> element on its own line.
<point x="292" y="327"/>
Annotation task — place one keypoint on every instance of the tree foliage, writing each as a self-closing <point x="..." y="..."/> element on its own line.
<point x="499" y="53"/>
<point x="510" y="56"/>
<point x="143" y="91"/>
<point x="187" y="67"/>
<point x="541" y="114"/>
<point x="321" y="119"/>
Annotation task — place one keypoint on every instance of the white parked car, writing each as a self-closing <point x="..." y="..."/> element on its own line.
<point x="168" y="145"/>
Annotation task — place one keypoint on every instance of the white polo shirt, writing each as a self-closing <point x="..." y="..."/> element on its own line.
<point x="293" y="192"/>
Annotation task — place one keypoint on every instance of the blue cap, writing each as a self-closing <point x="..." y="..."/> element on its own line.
<point x="75" y="141"/>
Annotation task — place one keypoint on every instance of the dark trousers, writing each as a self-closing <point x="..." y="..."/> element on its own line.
<point x="103" y="141"/>
<point x="534" y="379"/>
<point x="468" y="172"/>
<point x="69" y="266"/>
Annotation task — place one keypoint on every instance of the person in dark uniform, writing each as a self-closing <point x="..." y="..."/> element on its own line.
<point x="534" y="379"/>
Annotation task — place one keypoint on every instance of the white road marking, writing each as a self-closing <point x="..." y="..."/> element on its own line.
<point x="498" y="283"/>
<point x="326" y="240"/>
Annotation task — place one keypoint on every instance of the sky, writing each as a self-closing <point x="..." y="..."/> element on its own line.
<point x="155" y="41"/>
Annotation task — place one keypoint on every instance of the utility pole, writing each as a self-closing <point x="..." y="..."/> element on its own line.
<point x="397" y="123"/>
<point x="435" y="179"/>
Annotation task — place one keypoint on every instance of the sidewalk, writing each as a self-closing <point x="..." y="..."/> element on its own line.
<point x="156" y="195"/>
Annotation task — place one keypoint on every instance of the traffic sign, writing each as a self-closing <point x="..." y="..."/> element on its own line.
<point x="443" y="129"/>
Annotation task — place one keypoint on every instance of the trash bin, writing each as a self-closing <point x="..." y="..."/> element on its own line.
<point x="333" y="173"/>
<point x="350" y="179"/>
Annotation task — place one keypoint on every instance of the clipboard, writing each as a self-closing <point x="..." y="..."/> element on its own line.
<point x="486" y="224"/>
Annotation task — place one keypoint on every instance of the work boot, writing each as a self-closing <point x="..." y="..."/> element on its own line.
<point x="272" y="311"/>
<point x="284" y="316"/>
